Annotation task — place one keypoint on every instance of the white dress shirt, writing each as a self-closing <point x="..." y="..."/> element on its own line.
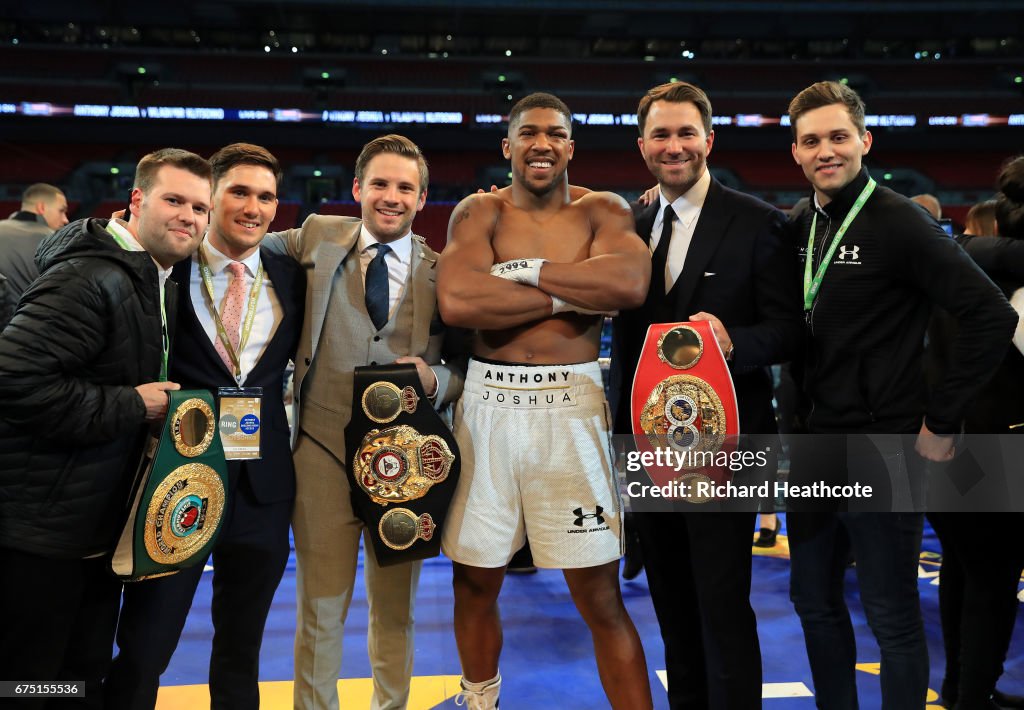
<point x="398" y="261"/>
<point x="687" y="208"/>
<point x="268" y="306"/>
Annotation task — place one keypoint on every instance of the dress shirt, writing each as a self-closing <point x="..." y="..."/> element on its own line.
<point x="398" y="261"/>
<point x="687" y="208"/>
<point x="268" y="306"/>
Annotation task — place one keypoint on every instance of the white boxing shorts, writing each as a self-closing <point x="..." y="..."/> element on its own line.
<point x="536" y="463"/>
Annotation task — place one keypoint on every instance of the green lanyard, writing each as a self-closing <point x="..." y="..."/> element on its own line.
<point x="812" y="286"/>
<point x="250" y="313"/>
<point x="165" y="342"/>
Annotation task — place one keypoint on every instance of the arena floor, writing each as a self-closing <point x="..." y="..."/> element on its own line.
<point x="547" y="660"/>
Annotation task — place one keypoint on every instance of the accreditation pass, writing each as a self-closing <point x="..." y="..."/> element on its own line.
<point x="240" y="421"/>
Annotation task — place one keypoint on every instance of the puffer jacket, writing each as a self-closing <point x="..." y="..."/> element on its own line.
<point x="71" y="423"/>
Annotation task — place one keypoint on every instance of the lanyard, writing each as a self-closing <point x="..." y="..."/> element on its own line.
<point x="812" y="286"/>
<point x="250" y="312"/>
<point x="165" y="342"/>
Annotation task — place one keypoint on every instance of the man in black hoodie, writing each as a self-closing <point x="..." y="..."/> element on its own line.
<point x="83" y="368"/>
<point x="873" y="267"/>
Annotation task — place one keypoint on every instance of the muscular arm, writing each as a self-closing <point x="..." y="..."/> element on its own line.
<point x="467" y="294"/>
<point x="617" y="273"/>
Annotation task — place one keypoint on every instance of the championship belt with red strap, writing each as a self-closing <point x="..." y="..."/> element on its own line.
<point x="684" y="404"/>
<point x="405" y="463"/>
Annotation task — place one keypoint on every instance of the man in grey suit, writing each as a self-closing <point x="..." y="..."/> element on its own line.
<point x="44" y="209"/>
<point x="343" y="329"/>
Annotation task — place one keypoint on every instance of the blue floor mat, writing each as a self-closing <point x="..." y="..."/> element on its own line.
<point x="547" y="653"/>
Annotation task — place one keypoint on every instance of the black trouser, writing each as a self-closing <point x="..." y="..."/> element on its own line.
<point x="249" y="559"/>
<point x="58" y="624"/>
<point x="698" y="570"/>
<point x="981" y="567"/>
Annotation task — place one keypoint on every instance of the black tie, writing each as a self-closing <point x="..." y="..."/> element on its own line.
<point x="377" y="300"/>
<point x="660" y="257"/>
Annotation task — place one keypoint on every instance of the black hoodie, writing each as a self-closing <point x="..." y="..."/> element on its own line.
<point x="864" y="368"/>
<point x="86" y="333"/>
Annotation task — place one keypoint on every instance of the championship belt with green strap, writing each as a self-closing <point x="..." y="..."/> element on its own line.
<point x="405" y="463"/>
<point x="178" y="499"/>
<point x="684" y="401"/>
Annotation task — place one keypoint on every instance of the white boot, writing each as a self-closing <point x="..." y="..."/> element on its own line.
<point x="479" y="696"/>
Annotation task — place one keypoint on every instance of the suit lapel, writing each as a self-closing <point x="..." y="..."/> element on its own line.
<point x="331" y="251"/>
<point x="187" y="313"/>
<point x="645" y="220"/>
<point x="282" y="286"/>
<point x="708" y="234"/>
<point x="421" y="281"/>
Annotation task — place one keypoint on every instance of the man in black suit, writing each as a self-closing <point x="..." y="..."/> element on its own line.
<point x="229" y="272"/>
<point x="726" y="261"/>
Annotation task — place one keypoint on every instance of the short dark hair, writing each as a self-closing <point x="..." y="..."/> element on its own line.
<point x="539" y="100"/>
<point x="146" y="170"/>
<point x="399" y="145"/>
<point x="826" y="93"/>
<point x="1010" y="200"/>
<point x="40" y="191"/>
<point x="244" y="154"/>
<point x="675" y="92"/>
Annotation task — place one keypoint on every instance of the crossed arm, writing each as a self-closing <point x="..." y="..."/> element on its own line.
<point x="617" y="272"/>
<point x="615" y="275"/>
<point x="467" y="294"/>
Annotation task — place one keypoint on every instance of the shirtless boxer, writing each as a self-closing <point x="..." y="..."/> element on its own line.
<point x="532" y="270"/>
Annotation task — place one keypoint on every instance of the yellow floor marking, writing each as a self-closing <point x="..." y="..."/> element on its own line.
<point x="876" y="669"/>
<point x="872" y="668"/>
<point x="426" y="692"/>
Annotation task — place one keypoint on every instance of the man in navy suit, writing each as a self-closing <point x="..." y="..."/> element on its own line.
<point x="726" y="262"/>
<point x="252" y="548"/>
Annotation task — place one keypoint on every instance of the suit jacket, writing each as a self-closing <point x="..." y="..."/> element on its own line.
<point x="321" y="246"/>
<point x="19" y="237"/>
<point x="740" y="268"/>
<point x="196" y="364"/>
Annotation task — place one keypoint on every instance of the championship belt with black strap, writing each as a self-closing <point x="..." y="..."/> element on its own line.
<point x="405" y="463"/>
<point x="178" y="499"/>
<point x="684" y="402"/>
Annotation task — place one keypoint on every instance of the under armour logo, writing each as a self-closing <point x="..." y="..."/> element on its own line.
<point x="580" y="516"/>
<point x="853" y="252"/>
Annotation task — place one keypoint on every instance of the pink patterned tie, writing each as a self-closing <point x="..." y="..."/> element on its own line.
<point x="231" y="312"/>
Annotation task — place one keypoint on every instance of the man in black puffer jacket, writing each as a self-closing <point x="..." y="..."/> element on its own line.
<point x="83" y="367"/>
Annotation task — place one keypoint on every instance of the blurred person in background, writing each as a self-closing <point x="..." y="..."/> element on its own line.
<point x="981" y="219"/>
<point x="44" y="209"/>
<point x="979" y="577"/>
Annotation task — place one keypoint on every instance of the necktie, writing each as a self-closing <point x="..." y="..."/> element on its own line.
<point x="377" y="299"/>
<point x="231" y="313"/>
<point x="660" y="257"/>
